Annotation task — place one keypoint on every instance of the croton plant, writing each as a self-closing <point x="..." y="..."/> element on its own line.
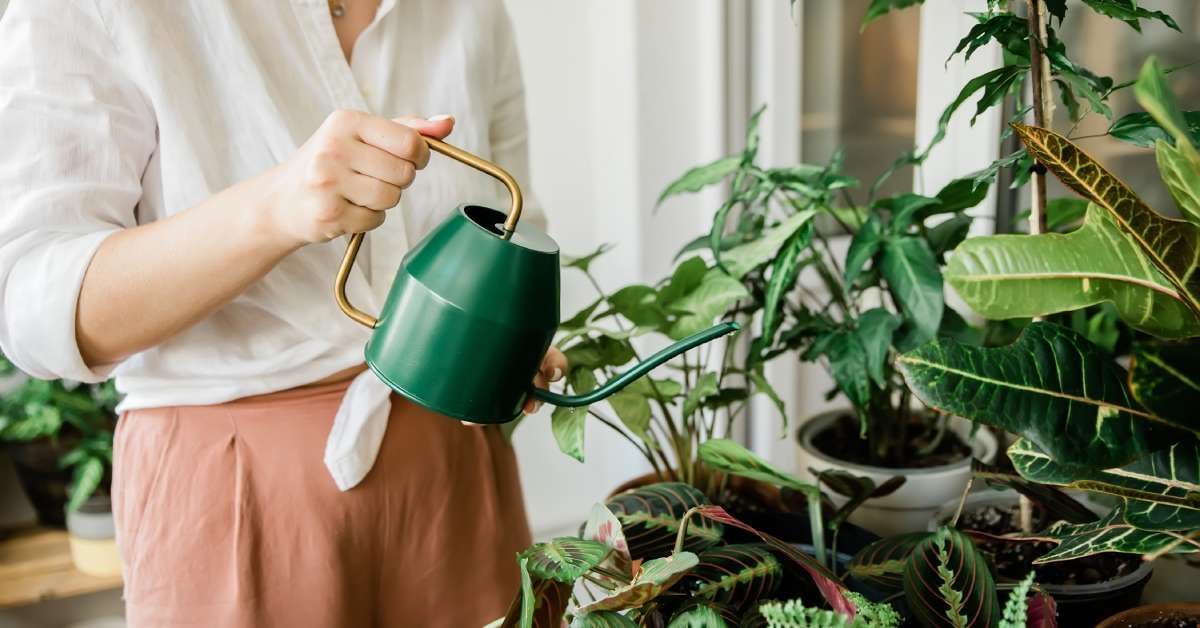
<point x="1084" y="420"/>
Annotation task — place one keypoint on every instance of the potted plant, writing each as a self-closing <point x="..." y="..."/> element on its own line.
<point x="1177" y="615"/>
<point x="660" y="555"/>
<point x="59" y="435"/>
<point x="1139" y="442"/>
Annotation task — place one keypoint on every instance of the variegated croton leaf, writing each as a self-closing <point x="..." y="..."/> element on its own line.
<point x="947" y="583"/>
<point x="735" y="575"/>
<point x="1171" y="245"/>
<point x="1111" y="534"/>
<point x="650" y="517"/>
<point x="1165" y="378"/>
<point x="1051" y="386"/>
<point x="1161" y="490"/>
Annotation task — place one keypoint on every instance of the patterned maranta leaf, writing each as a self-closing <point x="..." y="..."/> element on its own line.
<point x="564" y="559"/>
<point x="700" y="613"/>
<point x="947" y="583"/>
<point x="1162" y="488"/>
<point x="1051" y="386"/>
<point x="654" y="578"/>
<point x="1012" y="276"/>
<point x="602" y="619"/>
<point x="1172" y="245"/>
<point x="735" y="575"/>
<point x="881" y="564"/>
<point x="650" y="517"/>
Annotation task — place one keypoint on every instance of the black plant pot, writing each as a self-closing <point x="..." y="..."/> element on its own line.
<point x="43" y="481"/>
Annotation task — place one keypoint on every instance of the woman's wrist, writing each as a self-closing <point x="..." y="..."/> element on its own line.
<point x="265" y="226"/>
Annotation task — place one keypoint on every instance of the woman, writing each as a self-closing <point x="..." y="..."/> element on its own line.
<point x="175" y="183"/>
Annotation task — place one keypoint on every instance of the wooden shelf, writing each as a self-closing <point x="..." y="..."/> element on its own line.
<point x="35" y="566"/>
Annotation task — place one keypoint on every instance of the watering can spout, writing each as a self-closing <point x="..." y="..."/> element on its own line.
<point x="624" y="379"/>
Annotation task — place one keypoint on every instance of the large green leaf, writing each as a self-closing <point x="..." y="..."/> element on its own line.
<point x="1179" y="167"/>
<point x="784" y="271"/>
<point x="650" y="517"/>
<point x="654" y="578"/>
<point x="730" y="457"/>
<point x="1172" y="245"/>
<point x="85" y="480"/>
<point x="916" y="284"/>
<point x="947" y="583"/>
<point x="634" y="411"/>
<point x="1165" y="378"/>
<point x="1162" y="489"/>
<point x="875" y="328"/>
<point x="863" y="246"/>
<point x="847" y="362"/>
<point x="701" y="177"/>
<point x="1110" y="534"/>
<point x="1129" y="12"/>
<point x="564" y="559"/>
<point x="1155" y="96"/>
<point x="705" y="386"/>
<point x="568" y="424"/>
<point x="716" y="293"/>
<point x="1140" y="129"/>
<point x="736" y="575"/>
<point x="1019" y="276"/>
<point x="744" y="258"/>
<point x="1051" y="386"/>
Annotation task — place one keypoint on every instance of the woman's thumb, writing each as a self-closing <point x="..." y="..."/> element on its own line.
<point x="437" y="127"/>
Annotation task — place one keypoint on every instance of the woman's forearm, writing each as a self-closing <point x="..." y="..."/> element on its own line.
<point x="150" y="282"/>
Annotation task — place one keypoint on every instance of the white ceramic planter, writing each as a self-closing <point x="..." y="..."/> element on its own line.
<point x="925" y="490"/>
<point x="92" y="537"/>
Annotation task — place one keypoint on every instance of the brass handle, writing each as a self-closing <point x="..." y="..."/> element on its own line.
<point x="457" y="154"/>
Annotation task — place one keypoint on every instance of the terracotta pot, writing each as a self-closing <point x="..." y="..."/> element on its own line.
<point x="909" y="508"/>
<point x="1148" y="616"/>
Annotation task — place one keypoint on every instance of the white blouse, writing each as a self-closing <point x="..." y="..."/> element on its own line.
<point x="122" y="112"/>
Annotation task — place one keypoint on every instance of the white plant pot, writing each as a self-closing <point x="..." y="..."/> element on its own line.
<point x="910" y="507"/>
<point x="92" y="537"/>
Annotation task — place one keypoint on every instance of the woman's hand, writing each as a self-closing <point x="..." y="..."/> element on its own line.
<point x="554" y="366"/>
<point x="352" y="169"/>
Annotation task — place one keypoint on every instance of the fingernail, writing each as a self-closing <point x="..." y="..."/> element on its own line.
<point x="537" y="405"/>
<point x="439" y="117"/>
<point x="556" y="375"/>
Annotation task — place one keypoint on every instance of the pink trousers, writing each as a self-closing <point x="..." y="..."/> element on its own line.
<point x="227" y="517"/>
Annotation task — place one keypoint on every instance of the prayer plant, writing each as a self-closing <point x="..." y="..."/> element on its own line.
<point x="1085" y="421"/>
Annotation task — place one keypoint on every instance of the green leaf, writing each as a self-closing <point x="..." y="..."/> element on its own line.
<point x="568" y="424"/>
<point x="634" y="411"/>
<point x="729" y="457"/>
<point x="736" y="575"/>
<point x="640" y="304"/>
<point x="1179" y="167"/>
<point x="699" y="615"/>
<point x="1065" y="212"/>
<point x="714" y="296"/>
<point x="1154" y="95"/>
<point x="701" y="177"/>
<point x="1017" y="276"/>
<point x="1162" y="489"/>
<point x="1003" y="27"/>
<point x="564" y="559"/>
<point x="784" y="271"/>
<point x="650" y="517"/>
<point x="878" y="8"/>
<point x="585" y="262"/>
<point x="995" y="84"/>
<point x="1165" y="379"/>
<point x="1127" y="11"/>
<point x="1140" y="129"/>
<point x="948" y="234"/>
<point x="705" y="385"/>
<point x="528" y="602"/>
<point x="881" y="564"/>
<point x="1110" y="534"/>
<point x="915" y="283"/>
<point x="875" y="328"/>
<point x="863" y="246"/>
<point x="794" y="613"/>
<point x="904" y="209"/>
<point x="957" y="195"/>
<point x="581" y="317"/>
<point x="85" y="481"/>
<point x="947" y="582"/>
<point x="598" y="352"/>
<point x="602" y="619"/>
<point x="744" y="258"/>
<point x="751" y="150"/>
<point x="763" y="386"/>
<point x="687" y="277"/>
<point x="1050" y="386"/>
<point x="847" y="363"/>
<point x="1172" y="245"/>
<point x="655" y="578"/>
<point x="1058" y="9"/>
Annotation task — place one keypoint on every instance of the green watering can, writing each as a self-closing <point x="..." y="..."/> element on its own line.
<point x="472" y="311"/>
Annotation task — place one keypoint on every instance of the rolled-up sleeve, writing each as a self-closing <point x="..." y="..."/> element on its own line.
<point x="508" y="130"/>
<point x="76" y="135"/>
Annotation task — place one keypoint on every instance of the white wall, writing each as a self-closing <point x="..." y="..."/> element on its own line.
<point x="623" y="96"/>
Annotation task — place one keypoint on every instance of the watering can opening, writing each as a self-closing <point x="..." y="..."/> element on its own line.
<point x="525" y="235"/>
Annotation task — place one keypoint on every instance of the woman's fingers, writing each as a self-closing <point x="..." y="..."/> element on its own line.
<point x="377" y="163"/>
<point x="554" y="366"/>
<point x="401" y="140"/>
<point x="437" y="127"/>
<point x="357" y="219"/>
<point x="369" y="192"/>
